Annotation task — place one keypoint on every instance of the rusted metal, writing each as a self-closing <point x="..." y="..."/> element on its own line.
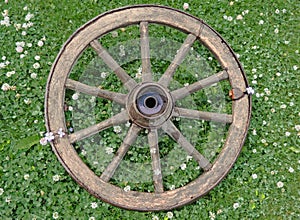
<point x="196" y="30"/>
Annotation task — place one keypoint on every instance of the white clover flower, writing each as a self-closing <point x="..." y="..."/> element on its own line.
<point x="155" y="217"/>
<point x="83" y="152"/>
<point x="236" y="205"/>
<point x="291" y="170"/>
<point x="1" y="191"/>
<point x="33" y="75"/>
<point x="60" y="132"/>
<point x="109" y="150"/>
<point x="37" y="57"/>
<point x="28" y="16"/>
<point x="157" y="172"/>
<point x="254" y="151"/>
<point x="170" y="214"/>
<point x="114" y="34"/>
<point x="277" y="11"/>
<point x="40" y="43"/>
<point x="287" y="134"/>
<point x="276" y="31"/>
<point x="43" y="141"/>
<point x="186" y="6"/>
<point x="2" y="65"/>
<point x="75" y="96"/>
<point x="283" y="106"/>
<point x="49" y="136"/>
<point x="56" y="178"/>
<point x="239" y="17"/>
<point x="152" y="150"/>
<point x="280" y="184"/>
<point x="172" y="187"/>
<point x="212" y="215"/>
<point x="117" y="129"/>
<point x="5" y="87"/>
<point x="250" y="90"/>
<point x="92" y="218"/>
<point x="27" y="101"/>
<point x="261" y="22"/>
<point x="9" y="74"/>
<point x="127" y="124"/>
<point x="188" y="158"/>
<point x="26" y="176"/>
<point x="103" y="75"/>
<point x="183" y="166"/>
<point x="229" y="18"/>
<point x="19" y="49"/>
<point x="254" y="176"/>
<point x="8" y="199"/>
<point x="36" y="65"/>
<point x="94" y="205"/>
<point x="297" y="127"/>
<point x="55" y="215"/>
<point x="127" y="188"/>
<point x="295" y="67"/>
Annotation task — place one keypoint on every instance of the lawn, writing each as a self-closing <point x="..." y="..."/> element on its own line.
<point x="264" y="181"/>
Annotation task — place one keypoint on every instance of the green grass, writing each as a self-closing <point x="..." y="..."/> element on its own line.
<point x="267" y="41"/>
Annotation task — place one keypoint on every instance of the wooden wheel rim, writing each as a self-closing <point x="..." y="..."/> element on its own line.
<point x="55" y="119"/>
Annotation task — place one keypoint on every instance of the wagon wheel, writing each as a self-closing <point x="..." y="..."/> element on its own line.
<point x="149" y="105"/>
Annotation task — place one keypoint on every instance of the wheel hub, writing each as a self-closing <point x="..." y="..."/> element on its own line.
<point x="149" y="105"/>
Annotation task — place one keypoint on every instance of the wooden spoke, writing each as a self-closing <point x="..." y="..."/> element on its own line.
<point x="185" y="91"/>
<point x="94" y="91"/>
<point x="127" y="142"/>
<point x="200" y="115"/>
<point x="181" y="54"/>
<point x="145" y="53"/>
<point x="128" y="82"/>
<point x="174" y="133"/>
<point x="156" y="167"/>
<point x="120" y="118"/>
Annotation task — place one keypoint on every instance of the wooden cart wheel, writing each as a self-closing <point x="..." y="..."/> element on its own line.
<point x="149" y="105"/>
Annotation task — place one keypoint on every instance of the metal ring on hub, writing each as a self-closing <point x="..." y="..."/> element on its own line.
<point x="149" y="105"/>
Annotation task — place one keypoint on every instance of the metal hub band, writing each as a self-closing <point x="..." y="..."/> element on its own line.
<point x="149" y="105"/>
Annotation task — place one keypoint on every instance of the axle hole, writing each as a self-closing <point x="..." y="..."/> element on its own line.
<point x="150" y="102"/>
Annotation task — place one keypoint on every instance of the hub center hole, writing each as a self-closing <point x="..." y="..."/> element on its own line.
<point x="150" y="102"/>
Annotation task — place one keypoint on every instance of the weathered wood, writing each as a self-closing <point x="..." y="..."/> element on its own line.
<point x="128" y="82"/>
<point x="94" y="129"/>
<point x="200" y="115"/>
<point x="174" y="133"/>
<point x="127" y="142"/>
<point x="145" y="53"/>
<point x="156" y="166"/>
<point x="181" y="54"/>
<point x="94" y="91"/>
<point x="187" y="90"/>
<point x="55" y="119"/>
